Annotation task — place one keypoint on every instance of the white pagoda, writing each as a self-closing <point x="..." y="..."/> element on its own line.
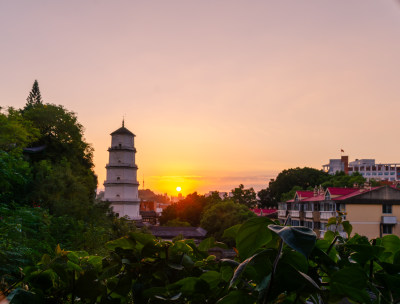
<point x="121" y="185"/>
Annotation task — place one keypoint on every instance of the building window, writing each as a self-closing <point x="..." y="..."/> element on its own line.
<point x="117" y="195"/>
<point x="387" y="229"/>
<point x="386" y="208"/>
<point x="118" y="178"/>
<point x="327" y="196"/>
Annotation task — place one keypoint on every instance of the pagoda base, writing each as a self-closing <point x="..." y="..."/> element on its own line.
<point x="130" y="210"/>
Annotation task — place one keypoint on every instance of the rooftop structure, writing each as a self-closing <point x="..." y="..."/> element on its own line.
<point x="368" y="168"/>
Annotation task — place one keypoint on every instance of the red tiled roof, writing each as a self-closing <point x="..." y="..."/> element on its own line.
<point x="317" y="198"/>
<point x="354" y="193"/>
<point x="341" y="191"/>
<point x="305" y="193"/>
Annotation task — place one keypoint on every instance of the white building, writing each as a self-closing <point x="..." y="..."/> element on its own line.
<point x="368" y="168"/>
<point x="121" y="185"/>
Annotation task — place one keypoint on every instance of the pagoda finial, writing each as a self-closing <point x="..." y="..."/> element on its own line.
<point x="123" y="121"/>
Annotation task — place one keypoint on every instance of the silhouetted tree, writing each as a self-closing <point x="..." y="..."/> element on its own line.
<point x="245" y="197"/>
<point x="34" y="97"/>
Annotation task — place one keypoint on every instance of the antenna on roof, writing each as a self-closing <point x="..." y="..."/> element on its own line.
<point x="143" y="181"/>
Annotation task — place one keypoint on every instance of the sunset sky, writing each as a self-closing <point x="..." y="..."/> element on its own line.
<point x="218" y="92"/>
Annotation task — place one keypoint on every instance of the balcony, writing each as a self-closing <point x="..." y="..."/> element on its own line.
<point x="326" y="215"/>
<point x="282" y="213"/>
<point x="308" y="214"/>
<point x="294" y="213"/>
<point x="121" y="165"/>
<point x="389" y="219"/>
<point x="119" y="148"/>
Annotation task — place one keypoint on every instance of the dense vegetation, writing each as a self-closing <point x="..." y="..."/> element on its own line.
<point x="274" y="264"/>
<point x="47" y="188"/>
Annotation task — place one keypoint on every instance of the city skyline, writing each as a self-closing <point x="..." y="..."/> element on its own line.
<point x="217" y="93"/>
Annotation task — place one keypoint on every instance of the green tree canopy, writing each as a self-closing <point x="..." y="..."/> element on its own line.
<point x="302" y="177"/>
<point x="244" y="196"/>
<point x="223" y="215"/>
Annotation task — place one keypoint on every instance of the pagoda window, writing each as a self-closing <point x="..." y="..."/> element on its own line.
<point x="118" y="178"/>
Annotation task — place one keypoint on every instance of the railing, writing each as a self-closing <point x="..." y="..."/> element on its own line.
<point x="282" y="213"/>
<point x="326" y="215"/>
<point x="131" y="148"/>
<point x="294" y="213"/>
<point x="308" y="214"/>
<point x="121" y="165"/>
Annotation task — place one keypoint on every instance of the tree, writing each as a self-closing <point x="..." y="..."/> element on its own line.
<point x="34" y="97"/>
<point x="15" y="131"/>
<point x="265" y="199"/>
<point x="340" y="179"/>
<point x="188" y="210"/>
<point x="244" y="196"/>
<point x="223" y="215"/>
<point x="303" y="177"/>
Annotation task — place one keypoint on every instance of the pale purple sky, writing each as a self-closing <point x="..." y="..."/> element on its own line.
<point x="217" y="92"/>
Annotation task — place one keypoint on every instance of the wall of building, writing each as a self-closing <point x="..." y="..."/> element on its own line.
<point x="122" y="173"/>
<point x="121" y="192"/>
<point x="366" y="218"/>
<point x="123" y="140"/>
<point x="123" y="156"/>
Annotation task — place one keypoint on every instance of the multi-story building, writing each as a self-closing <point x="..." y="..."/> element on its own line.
<point x="366" y="167"/>
<point x="121" y="185"/>
<point x="372" y="211"/>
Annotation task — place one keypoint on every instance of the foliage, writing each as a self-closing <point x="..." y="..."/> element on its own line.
<point x="15" y="131"/>
<point x="274" y="264"/>
<point x="15" y="177"/>
<point x="265" y="200"/>
<point x="303" y="177"/>
<point x="223" y="215"/>
<point x="340" y="179"/>
<point x="188" y="210"/>
<point x="290" y="195"/>
<point x="244" y="196"/>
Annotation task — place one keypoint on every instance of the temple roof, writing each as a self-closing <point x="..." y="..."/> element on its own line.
<point x="122" y="130"/>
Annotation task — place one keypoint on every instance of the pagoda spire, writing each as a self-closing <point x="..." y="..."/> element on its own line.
<point x="123" y="121"/>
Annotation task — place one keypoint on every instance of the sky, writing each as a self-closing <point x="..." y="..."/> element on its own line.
<point x="218" y="92"/>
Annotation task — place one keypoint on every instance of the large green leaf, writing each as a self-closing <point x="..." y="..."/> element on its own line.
<point x="242" y="267"/>
<point x="124" y="243"/>
<point x="347" y="227"/>
<point x="391" y="243"/>
<point x="252" y="235"/>
<point x="301" y="239"/>
<point x="231" y="232"/>
<point x="352" y="276"/>
<point x="237" y="297"/>
<point x="364" y="253"/>
<point x="339" y="290"/>
<point x="213" y="278"/>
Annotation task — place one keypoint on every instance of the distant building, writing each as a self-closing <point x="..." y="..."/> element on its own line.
<point x="372" y="211"/>
<point x="121" y="185"/>
<point x="366" y="167"/>
<point x="168" y="233"/>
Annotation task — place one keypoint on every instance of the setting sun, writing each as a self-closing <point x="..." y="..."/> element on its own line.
<point x="178" y="189"/>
